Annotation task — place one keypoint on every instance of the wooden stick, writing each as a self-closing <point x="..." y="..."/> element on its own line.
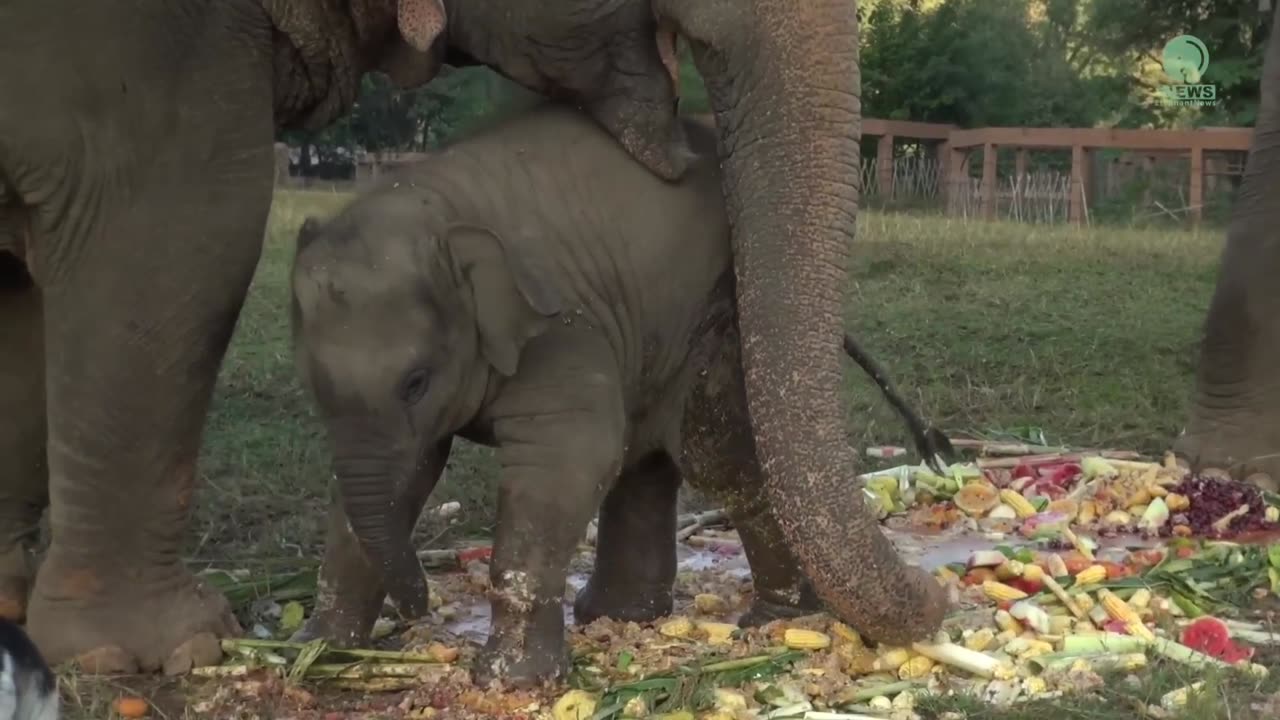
<point x="700" y="521"/>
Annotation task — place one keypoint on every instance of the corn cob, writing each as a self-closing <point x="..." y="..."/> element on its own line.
<point x="575" y="705"/>
<point x="1009" y="570"/>
<point x="1035" y="686"/>
<point x="980" y="640"/>
<point x="1271" y="514"/>
<point x="799" y="639"/>
<point x="1091" y="575"/>
<point x="718" y="633"/>
<point x="1080" y="547"/>
<point x="1020" y="505"/>
<point x="915" y="668"/>
<point x="892" y="659"/>
<point x="846" y="633"/>
<point x="1007" y="623"/>
<point x="680" y="628"/>
<point x="1140" y="599"/>
<point x="998" y="591"/>
<point x="1177" y="502"/>
<point x="1088" y="512"/>
<point x="1084" y="601"/>
<point x="1119" y="610"/>
<point x="1033" y="573"/>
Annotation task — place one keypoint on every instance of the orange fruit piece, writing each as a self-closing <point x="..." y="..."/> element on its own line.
<point x="131" y="707"/>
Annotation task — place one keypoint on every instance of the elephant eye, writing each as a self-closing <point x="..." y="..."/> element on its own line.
<point x="414" y="386"/>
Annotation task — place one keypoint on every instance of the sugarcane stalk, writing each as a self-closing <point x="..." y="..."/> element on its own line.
<point x="692" y="523"/>
<point x="230" y="645"/>
<point x="894" y="688"/>
<point x="712" y="543"/>
<point x="365" y="670"/>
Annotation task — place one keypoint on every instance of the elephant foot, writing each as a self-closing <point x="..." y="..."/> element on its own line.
<point x="1239" y="454"/>
<point x="524" y="650"/>
<point x="624" y="604"/>
<point x="16" y="573"/>
<point x="769" y="605"/>
<point x="337" y="627"/>
<point x="119" y="624"/>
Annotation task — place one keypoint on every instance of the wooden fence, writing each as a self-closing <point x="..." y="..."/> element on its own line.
<point x="941" y="166"/>
<point x="958" y="169"/>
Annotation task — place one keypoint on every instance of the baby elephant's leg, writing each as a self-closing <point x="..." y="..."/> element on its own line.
<point x="635" y="564"/>
<point x="559" y="426"/>
<point x="350" y="590"/>
<point x="720" y="459"/>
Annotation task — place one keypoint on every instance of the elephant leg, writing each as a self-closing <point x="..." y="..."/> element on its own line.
<point x="145" y="283"/>
<point x="635" y="563"/>
<point x="559" y="426"/>
<point x="24" y="479"/>
<point x="1235" y="414"/>
<point x="719" y="458"/>
<point x="350" y="590"/>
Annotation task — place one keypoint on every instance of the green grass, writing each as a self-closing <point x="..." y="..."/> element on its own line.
<point x="1090" y="334"/>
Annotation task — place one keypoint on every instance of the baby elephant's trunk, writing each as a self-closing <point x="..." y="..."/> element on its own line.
<point x="372" y="505"/>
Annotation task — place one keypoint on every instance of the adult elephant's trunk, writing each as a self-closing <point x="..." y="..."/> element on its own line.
<point x="369" y="489"/>
<point x="783" y="81"/>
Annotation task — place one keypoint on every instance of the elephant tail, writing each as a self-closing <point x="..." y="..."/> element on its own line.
<point x="930" y="442"/>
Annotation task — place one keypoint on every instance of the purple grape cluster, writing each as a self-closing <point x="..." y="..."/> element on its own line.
<point x="1212" y="498"/>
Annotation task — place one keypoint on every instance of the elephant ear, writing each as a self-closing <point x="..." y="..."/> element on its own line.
<point x="511" y="293"/>
<point x="420" y="22"/>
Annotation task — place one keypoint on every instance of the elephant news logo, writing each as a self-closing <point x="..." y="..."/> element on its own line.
<point x="1185" y="59"/>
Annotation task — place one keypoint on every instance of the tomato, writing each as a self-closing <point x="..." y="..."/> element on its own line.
<point x="1147" y="558"/>
<point x="1116" y="570"/>
<point x="1185" y="552"/>
<point x="473" y="554"/>
<point x="1005" y="604"/>
<point x="1030" y="587"/>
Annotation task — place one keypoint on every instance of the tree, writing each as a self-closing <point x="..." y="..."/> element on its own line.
<point x="983" y="62"/>
<point x="1235" y="34"/>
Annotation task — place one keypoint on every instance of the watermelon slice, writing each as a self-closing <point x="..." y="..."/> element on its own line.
<point x="1236" y="653"/>
<point x="1208" y="635"/>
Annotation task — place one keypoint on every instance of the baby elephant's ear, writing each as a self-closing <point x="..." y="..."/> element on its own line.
<point x="512" y="294"/>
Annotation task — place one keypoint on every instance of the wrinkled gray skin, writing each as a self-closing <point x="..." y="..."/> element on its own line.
<point x="135" y="180"/>
<point x="533" y="289"/>
<point x="1234" y="426"/>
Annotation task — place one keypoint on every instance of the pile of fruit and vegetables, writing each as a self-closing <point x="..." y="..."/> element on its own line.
<point x="1093" y="563"/>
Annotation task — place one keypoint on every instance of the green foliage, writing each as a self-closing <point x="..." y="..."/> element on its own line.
<point x="386" y="118"/>
<point x="1134" y="32"/>
<point x="983" y="62"/>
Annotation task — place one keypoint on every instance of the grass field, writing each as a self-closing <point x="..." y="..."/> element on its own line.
<point x="1089" y="334"/>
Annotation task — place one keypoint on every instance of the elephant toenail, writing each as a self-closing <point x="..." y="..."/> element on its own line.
<point x="201" y="650"/>
<point x="106" y="660"/>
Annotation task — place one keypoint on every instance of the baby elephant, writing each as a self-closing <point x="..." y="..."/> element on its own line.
<point x="534" y="289"/>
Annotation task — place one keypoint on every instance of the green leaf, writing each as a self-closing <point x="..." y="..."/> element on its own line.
<point x="1273" y="555"/>
<point x="624" y="660"/>
<point x="1273" y="575"/>
<point x="291" y="616"/>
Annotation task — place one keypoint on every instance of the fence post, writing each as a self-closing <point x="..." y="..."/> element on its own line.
<point x="884" y="167"/>
<point x="1078" y="170"/>
<point x="988" y="181"/>
<point x="1197" y="184"/>
<point x="957" y="173"/>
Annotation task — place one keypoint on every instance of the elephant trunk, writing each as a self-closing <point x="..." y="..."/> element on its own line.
<point x="788" y="114"/>
<point x="368" y="489"/>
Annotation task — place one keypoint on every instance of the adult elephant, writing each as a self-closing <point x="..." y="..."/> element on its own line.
<point x="135" y="180"/>
<point x="1234" y="426"/>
